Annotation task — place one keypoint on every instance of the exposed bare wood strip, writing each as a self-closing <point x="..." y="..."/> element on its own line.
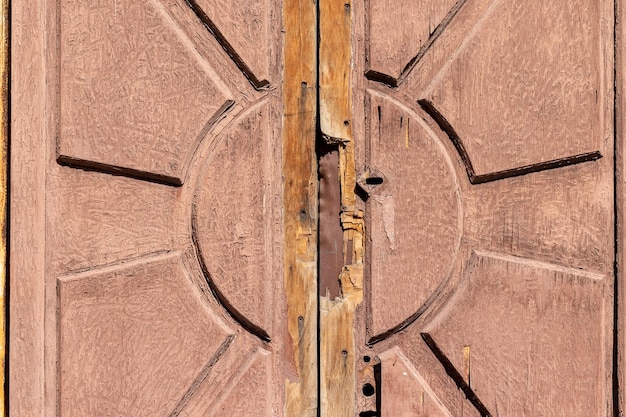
<point x="337" y="346"/>
<point x="300" y="202"/>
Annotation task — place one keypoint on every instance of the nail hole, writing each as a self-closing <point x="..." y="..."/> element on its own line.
<point x="366" y="359"/>
<point x="344" y="353"/>
<point x="346" y="123"/>
<point x="368" y="390"/>
<point x="374" y="180"/>
<point x="304" y="84"/>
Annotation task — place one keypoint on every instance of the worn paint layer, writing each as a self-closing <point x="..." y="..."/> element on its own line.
<point x="4" y="141"/>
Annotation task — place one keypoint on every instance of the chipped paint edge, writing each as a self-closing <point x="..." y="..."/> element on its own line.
<point x="338" y="375"/>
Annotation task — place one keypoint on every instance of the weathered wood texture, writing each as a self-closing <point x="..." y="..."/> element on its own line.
<point x="300" y="204"/>
<point x="486" y="175"/>
<point x="620" y="200"/>
<point x="156" y="244"/>
<point x="337" y="311"/>
<point x="4" y="171"/>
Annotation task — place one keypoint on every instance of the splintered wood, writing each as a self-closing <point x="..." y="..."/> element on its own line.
<point x="337" y="345"/>
<point x="300" y="204"/>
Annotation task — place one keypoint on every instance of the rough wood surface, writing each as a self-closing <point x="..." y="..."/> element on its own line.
<point x="131" y="250"/>
<point x="620" y="209"/>
<point x="28" y="149"/>
<point x="337" y="344"/>
<point x="390" y="54"/>
<point x="4" y="171"/>
<point x="300" y="204"/>
<point x="539" y="202"/>
<point x="544" y="77"/>
<point x="244" y="31"/>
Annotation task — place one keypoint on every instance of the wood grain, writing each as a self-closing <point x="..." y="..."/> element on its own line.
<point x="4" y="171"/>
<point x="338" y="388"/>
<point x="300" y="204"/>
<point x="619" y="338"/>
<point x="547" y="106"/>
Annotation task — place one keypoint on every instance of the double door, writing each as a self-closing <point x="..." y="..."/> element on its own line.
<point x="283" y="208"/>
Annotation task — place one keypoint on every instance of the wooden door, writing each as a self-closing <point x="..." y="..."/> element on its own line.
<point x="164" y="208"/>
<point x="157" y="263"/>
<point x="478" y="139"/>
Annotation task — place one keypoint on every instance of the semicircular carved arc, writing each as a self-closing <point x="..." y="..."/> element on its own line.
<point x="413" y="249"/>
<point x="235" y="219"/>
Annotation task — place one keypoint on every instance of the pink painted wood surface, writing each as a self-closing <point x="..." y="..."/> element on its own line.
<point x="489" y="209"/>
<point x="138" y="226"/>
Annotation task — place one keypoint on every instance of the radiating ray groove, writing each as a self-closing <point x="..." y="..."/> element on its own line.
<point x="454" y="374"/>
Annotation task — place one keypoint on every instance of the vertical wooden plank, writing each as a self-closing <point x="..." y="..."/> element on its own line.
<point x="619" y="376"/>
<point x="4" y="141"/>
<point x="27" y="240"/>
<point x="300" y="202"/>
<point x="337" y="346"/>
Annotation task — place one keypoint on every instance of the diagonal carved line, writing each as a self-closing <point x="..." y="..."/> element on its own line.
<point x="230" y="50"/>
<point x="455" y="376"/>
<point x="204" y="373"/>
<point x="447" y="128"/>
<point x="393" y="82"/>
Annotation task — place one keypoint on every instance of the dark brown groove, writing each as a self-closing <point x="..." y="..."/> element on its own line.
<point x="434" y="35"/>
<point x="455" y="375"/>
<point x="86" y="165"/>
<point x="228" y="306"/>
<point x="228" y="48"/>
<point x="381" y="78"/>
<point x="447" y="128"/>
<point x="202" y="376"/>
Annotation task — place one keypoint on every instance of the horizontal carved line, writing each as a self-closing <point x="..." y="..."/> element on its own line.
<point x="447" y="128"/>
<point x="87" y="165"/>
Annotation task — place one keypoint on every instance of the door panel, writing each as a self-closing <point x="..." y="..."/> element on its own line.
<point x="161" y="283"/>
<point x="485" y="158"/>
<point x="164" y="208"/>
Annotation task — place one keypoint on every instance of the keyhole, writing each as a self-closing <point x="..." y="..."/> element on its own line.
<point x="374" y="180"/>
